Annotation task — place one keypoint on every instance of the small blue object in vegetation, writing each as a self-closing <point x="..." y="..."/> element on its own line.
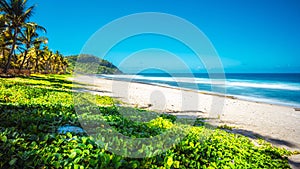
<point x="68" y="128"/>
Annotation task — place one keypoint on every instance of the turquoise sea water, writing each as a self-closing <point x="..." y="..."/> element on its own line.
<point x="282" y="89"/>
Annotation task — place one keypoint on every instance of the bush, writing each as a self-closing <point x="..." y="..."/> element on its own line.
<point x="32" y="109"/>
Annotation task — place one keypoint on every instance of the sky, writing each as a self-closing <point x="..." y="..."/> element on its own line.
<point x="249" y="36"/>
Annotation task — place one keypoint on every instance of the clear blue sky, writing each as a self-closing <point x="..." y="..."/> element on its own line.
<point x="249" y="35"/>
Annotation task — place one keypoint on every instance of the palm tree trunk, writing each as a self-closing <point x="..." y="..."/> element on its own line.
<point x="36" y="64"/>
<point x="3" y="54"/>
<point x="36" y="61"/>
<point x="23" y="61"/>
<point x="27" y="63"/>
<point x="11" y="52"/>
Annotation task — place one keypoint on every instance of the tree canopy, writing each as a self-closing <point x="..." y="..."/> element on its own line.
<point x="22" y="48"/>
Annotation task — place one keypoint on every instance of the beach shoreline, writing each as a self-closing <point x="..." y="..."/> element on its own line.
<point x="222" y="93"/>
<point x="277" y="124"/>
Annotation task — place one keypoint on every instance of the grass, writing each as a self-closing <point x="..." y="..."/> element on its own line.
<point x="33" y="108"/>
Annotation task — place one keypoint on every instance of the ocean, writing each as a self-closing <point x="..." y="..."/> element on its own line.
<point x="280" y="89"/>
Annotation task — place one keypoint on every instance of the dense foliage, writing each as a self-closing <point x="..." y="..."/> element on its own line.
<point x="22" y="49"/>
<point x="91" y="64"/>
<point x="33" y="108"/>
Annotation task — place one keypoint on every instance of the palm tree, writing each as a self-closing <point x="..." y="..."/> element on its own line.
<point x="4" y="39"/>
<point x="16" y="15"/>
<point x="3" y="49"/>
<point x="47" y="59"/>
<point x="29" y="37"/>
<point x="38" y="51"/>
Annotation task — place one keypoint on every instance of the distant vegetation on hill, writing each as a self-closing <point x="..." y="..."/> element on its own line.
<point x="85" y="63"/>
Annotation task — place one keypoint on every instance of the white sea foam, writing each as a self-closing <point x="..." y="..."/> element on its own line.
<point x="226" y="83"/>
<point x="139" y="77"/>
<point x="169" y="79"/>
<point x="265" y="85"/>
<point x="207" y="81"/>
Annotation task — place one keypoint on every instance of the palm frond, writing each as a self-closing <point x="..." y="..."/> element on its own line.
<point x="36" y="26"/>
<point x="28" y="13"/>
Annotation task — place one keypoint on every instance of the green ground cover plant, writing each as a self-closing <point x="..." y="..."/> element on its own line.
<point x="33" y="108"/>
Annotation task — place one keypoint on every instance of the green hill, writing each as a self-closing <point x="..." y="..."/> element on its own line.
<point x="90" y="64"/>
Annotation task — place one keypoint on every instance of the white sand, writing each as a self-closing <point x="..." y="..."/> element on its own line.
<point x="278" y="124"/>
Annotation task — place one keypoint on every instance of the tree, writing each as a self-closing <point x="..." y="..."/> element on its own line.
<point x="38" y="51"/>
<point x="4" y="39"/>
<point x="21" y="46"/>
<point x="16" y="15"/>
<point x="30" y="37"/>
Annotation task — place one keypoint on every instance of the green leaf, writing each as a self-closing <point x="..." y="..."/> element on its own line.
<point x="56" y="164"/>
<point x="78" y="151"/>
<point x="93" y="162"/>
<point x="3" y="138"/>
<point x="13" y="161"/>
<point x="176" y="164"/>
<point x="170" y="161"/>
<point x="84" y="139"/>
<point x="76" y="160"/>
<point x="90" y="146"/>
<point x="69" y="134"/>
<point x="72" y="155"/>
<point x="76" y="166"/>
<point x="134" y="164"/>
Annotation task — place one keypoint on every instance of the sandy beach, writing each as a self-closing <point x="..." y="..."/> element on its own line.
<point x="274" y="123"/>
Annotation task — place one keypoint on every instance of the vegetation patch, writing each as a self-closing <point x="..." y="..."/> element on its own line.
<point x="33" y="108"/>
<point x="90" y="64"/>
<point x="24" y="48"/>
